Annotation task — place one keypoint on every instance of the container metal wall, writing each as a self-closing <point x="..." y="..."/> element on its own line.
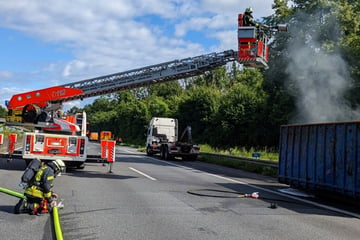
<point x="321" y="157"/>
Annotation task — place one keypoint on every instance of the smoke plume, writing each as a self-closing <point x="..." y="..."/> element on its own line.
<point x="319" y="79"/>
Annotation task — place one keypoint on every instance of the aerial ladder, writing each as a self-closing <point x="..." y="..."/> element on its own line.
<point x="39" y="109"/>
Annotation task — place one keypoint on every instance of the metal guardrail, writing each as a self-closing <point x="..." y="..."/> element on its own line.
<point x="243" y="159"/>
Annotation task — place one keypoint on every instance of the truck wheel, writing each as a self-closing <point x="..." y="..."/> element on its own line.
<point x="166" y="153"/>
<point x="162" y="152"/>
<point x="148" y="151"/>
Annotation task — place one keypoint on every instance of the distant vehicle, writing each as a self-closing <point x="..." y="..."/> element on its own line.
<point x="162" y="138"/>
<point x="94" y="136"/>
<point x="105" y="135"/>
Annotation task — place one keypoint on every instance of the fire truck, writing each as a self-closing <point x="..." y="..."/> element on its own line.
<point x="53" y="136"/>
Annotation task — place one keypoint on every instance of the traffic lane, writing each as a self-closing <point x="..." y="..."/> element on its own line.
<point x="266" y="184"/>
<point x="123" y="206"/>
<point x="269" y="196"/>
<point x="129" y="205"/>
<point x="247" y="184"/>
<point x="19" y="226"/>
<point x="270" y="184"/>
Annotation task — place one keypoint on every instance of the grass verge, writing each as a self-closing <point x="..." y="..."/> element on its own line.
<point x="249" y="167"/>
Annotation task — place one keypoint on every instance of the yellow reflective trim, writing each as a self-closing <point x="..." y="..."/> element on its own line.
<point x="47" y="195"/>
<point x="50" y="178"/>
<point x="33" y="191"/>
<point x="39" y="175"/>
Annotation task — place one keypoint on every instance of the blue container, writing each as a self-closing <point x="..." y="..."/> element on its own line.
<point x="321" y="157"/>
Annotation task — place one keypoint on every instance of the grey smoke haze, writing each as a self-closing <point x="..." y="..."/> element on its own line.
<point x="320" y="79"/>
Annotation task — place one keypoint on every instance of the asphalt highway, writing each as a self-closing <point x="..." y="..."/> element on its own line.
<point x="147" y="198"/>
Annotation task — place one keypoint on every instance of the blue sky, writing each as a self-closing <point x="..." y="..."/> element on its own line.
<point x="45" y="44"/>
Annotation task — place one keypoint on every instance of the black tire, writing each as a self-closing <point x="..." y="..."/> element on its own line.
<point x="148" y="151"/>
<point x="166" y="153"/>
<point x="80" y="166"/>
<point x="162" y="152"/>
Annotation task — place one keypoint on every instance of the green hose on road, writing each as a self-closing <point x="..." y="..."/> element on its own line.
<point x="12" y="193"/>
<point x="57" y="226"/>
<point x="55" y="213"/>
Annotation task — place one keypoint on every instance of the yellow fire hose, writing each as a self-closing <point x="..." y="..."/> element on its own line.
<point x="12" y="193"/>
<point x="57" y="226"/>
<point x="55" y="212"/>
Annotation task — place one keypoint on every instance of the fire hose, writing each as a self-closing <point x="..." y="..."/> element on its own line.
<point x="222" y="193"/>
<point x="55" y="212"/>
<point x="216" y="193"/>
<point x="12" y="193"/>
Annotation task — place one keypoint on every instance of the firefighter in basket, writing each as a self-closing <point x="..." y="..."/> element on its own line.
<point x="39" y="197"/>
<point x="248" y="19"/>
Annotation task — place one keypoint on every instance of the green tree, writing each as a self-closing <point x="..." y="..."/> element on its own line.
<point x="166" y="90"/>
<point x="157" y="106"/>
<point x="198" y="110"/>
<point x="218" y="78"/>
<point x="131" y="121"/>
<point x="3" y="112"/>
<point x="240" y="117"/>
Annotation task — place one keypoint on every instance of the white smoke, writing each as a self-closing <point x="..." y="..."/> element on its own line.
<point x="319" y="78"/>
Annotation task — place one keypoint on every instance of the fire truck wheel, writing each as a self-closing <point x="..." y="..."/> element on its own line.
<point x="80" y="166"/>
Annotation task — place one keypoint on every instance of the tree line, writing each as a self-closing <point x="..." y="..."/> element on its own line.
<point x="230" y="106"/>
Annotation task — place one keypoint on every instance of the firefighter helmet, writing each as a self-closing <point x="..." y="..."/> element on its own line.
<point x="249" y="10"/>
<point x="59" y="164"/>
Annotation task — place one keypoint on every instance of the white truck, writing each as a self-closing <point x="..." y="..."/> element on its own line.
<point x="162" y="138"/>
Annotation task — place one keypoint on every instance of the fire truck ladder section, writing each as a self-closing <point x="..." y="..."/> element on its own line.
<point x="168" y="71"/>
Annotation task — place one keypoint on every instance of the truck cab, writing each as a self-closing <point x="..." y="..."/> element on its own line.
<point x="162" y="138"/>
<point x="161" y="130"/>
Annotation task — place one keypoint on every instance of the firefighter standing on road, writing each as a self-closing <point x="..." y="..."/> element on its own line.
<point x="248" y="19"/>
<point x="40" y="198"/>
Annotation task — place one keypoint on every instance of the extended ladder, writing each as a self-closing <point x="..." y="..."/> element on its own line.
<point x="145" y="76"/>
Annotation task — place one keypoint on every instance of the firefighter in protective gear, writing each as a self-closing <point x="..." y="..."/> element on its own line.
<point x="39" y="197"/>
<point x="248" y="19"/>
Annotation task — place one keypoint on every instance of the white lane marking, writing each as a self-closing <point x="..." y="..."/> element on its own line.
<point x="141" y="173"/>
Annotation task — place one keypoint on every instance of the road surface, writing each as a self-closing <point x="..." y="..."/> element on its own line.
<point x="146" y="198"/>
